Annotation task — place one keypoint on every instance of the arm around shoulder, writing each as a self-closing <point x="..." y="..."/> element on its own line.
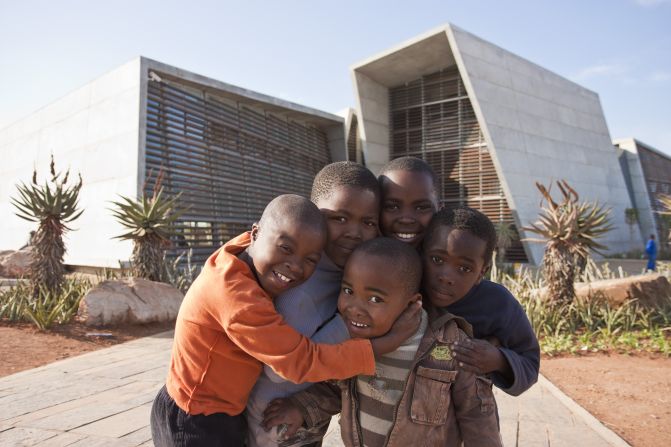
<point x="262" y="333"/>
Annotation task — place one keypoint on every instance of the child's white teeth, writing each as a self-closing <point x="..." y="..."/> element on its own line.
<point x="406" y="235"/>
<point x="282" y="277"/>
<point x="354" y="323"/>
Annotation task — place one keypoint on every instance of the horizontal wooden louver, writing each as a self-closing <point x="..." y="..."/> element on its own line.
<point x="227" y="159"/>
<point x="432" y="118"/>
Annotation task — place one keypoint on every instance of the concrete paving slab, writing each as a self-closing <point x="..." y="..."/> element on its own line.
<point x="103" y="398"/>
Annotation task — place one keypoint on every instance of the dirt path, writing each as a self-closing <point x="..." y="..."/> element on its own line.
<point x="631" y="395"/>
<point x="22" y="346"/>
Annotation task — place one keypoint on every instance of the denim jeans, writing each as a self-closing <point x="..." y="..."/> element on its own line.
<point x="170" y="426"/>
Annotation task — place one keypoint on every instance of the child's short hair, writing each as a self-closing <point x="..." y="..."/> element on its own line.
<point x="412" y="164"/>
<point x="342" y="173"/>
<point x="465" y="218"/>
<point x="294" y="208"/>
<point x="403" y="260"/>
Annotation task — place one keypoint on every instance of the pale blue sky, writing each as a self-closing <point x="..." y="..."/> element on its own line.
<point x="302" y="50"/>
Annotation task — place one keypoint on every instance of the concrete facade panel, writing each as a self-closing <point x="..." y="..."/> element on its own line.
<point x="373" y="113"/>
<point x="561" y="123"/>
<point x="495" y="93"/>
<point x="501" y="115"/>
<point x="509" y="138"/>
<point x="95" y="135"/>
<point x="72" y="103"/>
<point x="478" y="68"/>
<point x="115" y="82"/>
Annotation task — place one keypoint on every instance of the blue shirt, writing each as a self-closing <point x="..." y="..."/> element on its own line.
<point x="651" y="247"/>
<point x="494" y="312"/>
<point x="306" y="308"/>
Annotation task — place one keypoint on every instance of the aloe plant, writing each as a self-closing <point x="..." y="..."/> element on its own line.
<point x="570" y="230"/>
<point x="150" y="223"/>
<point x="52" y="205"/>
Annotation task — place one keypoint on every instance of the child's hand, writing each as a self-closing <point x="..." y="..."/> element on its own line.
<point x="408" y="322"/>
<point x="282" y="411"/>
<point x="402" y="329"/>
<point x="479" y="357"/>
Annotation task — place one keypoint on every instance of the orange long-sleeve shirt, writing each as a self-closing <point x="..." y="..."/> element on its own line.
<point x="227" y="327"/>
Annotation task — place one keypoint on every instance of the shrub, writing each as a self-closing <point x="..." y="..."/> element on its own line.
<point x="46" y="307"/>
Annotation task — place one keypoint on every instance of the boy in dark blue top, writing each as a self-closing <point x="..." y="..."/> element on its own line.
<point x="458" y="246"/>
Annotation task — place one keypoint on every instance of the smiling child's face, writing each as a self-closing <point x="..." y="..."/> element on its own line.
<point x="454" y="261"/>
<point x="370" y="298"/>
<point x="351" y="215"/>
<point x="408" y="203"/>
<point x="285" y="254"/>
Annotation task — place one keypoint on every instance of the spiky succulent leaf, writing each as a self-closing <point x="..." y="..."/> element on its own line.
<point x="52" y="205"/>
<point x="150" y="221"/>
<point x="569" y="228"/>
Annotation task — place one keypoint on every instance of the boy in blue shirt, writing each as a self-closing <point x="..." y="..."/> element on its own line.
<point x="457" y="250"/>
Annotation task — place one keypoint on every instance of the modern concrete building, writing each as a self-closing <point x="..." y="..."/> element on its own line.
<point x="647" y="172"/>
<point x="491" y="124"/>
<point x="227" y="149"/>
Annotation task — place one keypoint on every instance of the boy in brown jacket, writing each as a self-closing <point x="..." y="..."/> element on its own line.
<point x="417" y="393"/>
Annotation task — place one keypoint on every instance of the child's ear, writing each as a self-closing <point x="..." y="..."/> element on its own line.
<point x="255" y="231"/>
<point x="415" y="298"/>
<point x="485" y="269"/>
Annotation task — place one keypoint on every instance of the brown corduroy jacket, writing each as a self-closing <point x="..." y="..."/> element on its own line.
<point x="440" y="405"/>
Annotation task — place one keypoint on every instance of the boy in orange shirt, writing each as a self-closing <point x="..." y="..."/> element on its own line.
<point x="227" y="327"/>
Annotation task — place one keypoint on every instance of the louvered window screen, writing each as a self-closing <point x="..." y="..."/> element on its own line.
<point x="432" y="118"/>
<point x="228" y="160"/>
<point x="657" y="172"/>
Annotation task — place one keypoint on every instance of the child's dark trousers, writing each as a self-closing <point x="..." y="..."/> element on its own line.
<point x="170" y="426"/>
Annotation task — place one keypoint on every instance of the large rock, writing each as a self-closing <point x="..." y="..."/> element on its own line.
<point x="15" y="263"/>
<point x="129" y="300"/>
<point x="650" y="290"/>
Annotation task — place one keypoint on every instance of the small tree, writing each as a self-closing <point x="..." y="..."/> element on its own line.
<point x="569" y="230"/>
<point x="150" y="221"/>
<point x="52" y="206"/>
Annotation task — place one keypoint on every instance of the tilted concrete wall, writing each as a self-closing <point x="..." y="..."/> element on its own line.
<point x="92" y="131"/>
<point x="538" y="125"/>
<point x="542" y="127"/>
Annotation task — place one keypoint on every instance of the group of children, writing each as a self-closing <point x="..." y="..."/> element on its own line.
<point x="405" y="323"/>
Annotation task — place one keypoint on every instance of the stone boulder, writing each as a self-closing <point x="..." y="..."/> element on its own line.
<point x="15" y="263"/>
<point x="650" y="289"/>
<point x="129" y="300"/>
